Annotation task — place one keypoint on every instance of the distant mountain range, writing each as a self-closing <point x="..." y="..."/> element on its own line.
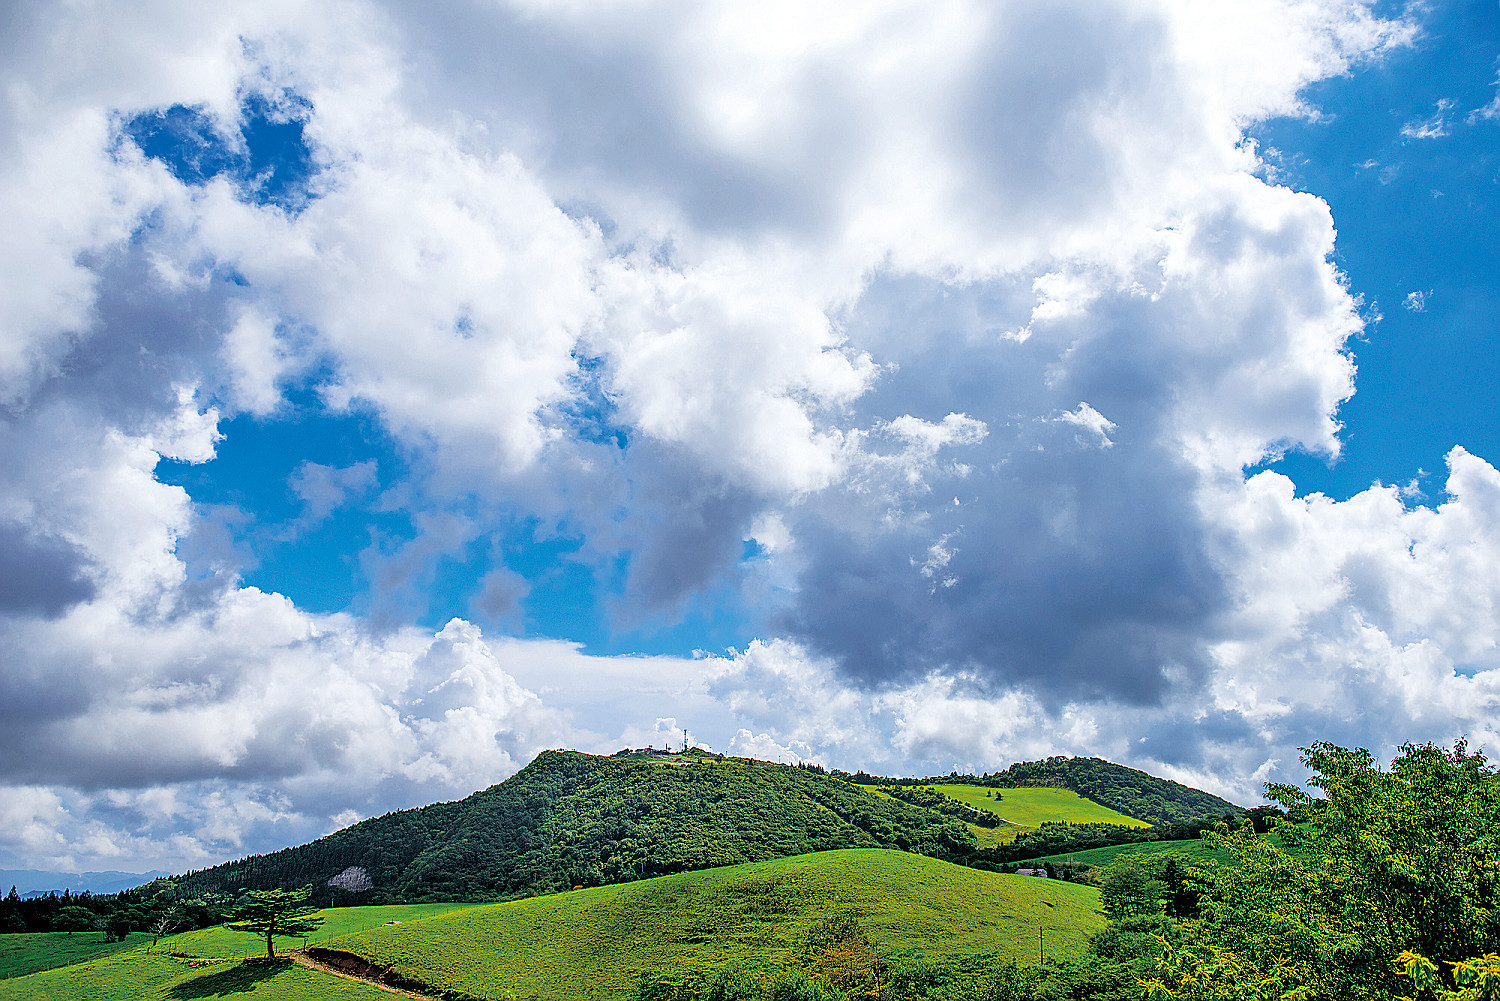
<point x="570" y="819"/>
<point x="39" y="882"/>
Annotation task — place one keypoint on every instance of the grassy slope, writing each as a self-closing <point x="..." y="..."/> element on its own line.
<point x="1026" y="810"/>
<point x="213" y="967"/>
<point x="136" y="976"/>
<point x="36" y="951"/>
<point x="591" y="943"/>
<point x="1033" y="807"/>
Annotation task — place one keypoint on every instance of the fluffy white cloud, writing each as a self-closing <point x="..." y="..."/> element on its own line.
<point x="970" y="316"/>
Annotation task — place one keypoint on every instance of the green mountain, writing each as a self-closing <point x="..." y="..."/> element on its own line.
<point x="571" y="819"/>
<point x="1127" y="790"/>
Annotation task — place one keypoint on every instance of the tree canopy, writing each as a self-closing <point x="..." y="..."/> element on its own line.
<point x="284" y="913"/>
<point x="1383" y="863"/>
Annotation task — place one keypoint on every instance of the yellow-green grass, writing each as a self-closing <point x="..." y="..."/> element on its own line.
<point x="1024" y="810"/>
<point x="135" y="975"/>
<point x="207" y="963"/>
<point x="592" y="943"/>
<point x="32" y="952"/>
<point x="225" y="943"/>
<point x="1033" y="807"/>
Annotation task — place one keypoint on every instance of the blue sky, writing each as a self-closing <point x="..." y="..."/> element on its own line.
<point x="388" y="394"/>
<point x="1415" y="214"/>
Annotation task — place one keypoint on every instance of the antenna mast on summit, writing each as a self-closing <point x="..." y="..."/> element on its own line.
<point x="684" y="740"/>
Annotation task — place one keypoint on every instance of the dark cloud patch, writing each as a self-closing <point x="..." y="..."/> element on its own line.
<point x="1073" y="562"/>
<point x="1079" y="579"/>
<point x="1188" y="740"/>
<point x="148" y="339"/>
<point x="40" y="575"/>
<point x="693" y="536"/>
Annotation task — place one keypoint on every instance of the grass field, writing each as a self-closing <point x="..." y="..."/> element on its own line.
<point x="1034" y="807"/>
<point x="1024" y="810"/>
<point x="32" y="953"/>
<point x="208" y="965"/>
<point x="137" y="976"/>
<point x="223" y="943"/>
<point x="591" y="943"/>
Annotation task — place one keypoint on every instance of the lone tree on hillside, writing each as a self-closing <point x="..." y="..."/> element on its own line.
<point x="275" y="912"/>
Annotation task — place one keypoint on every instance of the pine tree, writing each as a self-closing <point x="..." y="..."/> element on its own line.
<point x="275" y="912"/>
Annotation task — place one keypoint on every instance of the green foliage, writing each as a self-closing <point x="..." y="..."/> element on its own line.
<point x="930" y="799"/>
<point x="1127" y="790"/>
<point x="1128" y="890"/>
<point x="571" y="819"/>
<point x="1473" y="979"/>
<point x="1386" y="863"/>
<point x="281" y="913"/>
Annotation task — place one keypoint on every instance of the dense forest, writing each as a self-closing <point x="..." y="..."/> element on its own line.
<point x="571" y="819"/>
<point x="931" y="799"/>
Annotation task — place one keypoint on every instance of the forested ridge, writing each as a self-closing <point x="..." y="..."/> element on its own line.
<point x="572" y="819"/>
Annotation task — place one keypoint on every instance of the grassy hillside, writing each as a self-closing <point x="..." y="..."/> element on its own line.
<point x="136" y="976"/>
<point x="223" y="943"/>
<point x="200" y="964"/>
<point x="30" y="953"/>
<point x="1037" y="806"/>
<point x="1024" y="810"/>
<point x="570" y="819"/>
<point x="593" y="943"/>
<point x="1127" y="790"/>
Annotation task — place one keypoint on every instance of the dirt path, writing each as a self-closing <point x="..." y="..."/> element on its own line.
<point x="303" y="959"/>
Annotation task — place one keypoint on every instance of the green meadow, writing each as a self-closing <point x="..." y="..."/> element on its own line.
<point x="1032" y="807"/>
<point x="23" y="954"/>
<point x="1024" y="810"/>
<point x="199" y="964"/>
<point x="222" y="943"/>
<point x="136" y="975"/>
<point x="593" y="943"/>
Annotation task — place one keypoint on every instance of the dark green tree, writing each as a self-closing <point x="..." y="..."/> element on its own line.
<point x="73" y="918"/>
<point x="275" y="912"/>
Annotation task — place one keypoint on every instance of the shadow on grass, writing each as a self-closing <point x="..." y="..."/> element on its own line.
<point x="238" y="979"/>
